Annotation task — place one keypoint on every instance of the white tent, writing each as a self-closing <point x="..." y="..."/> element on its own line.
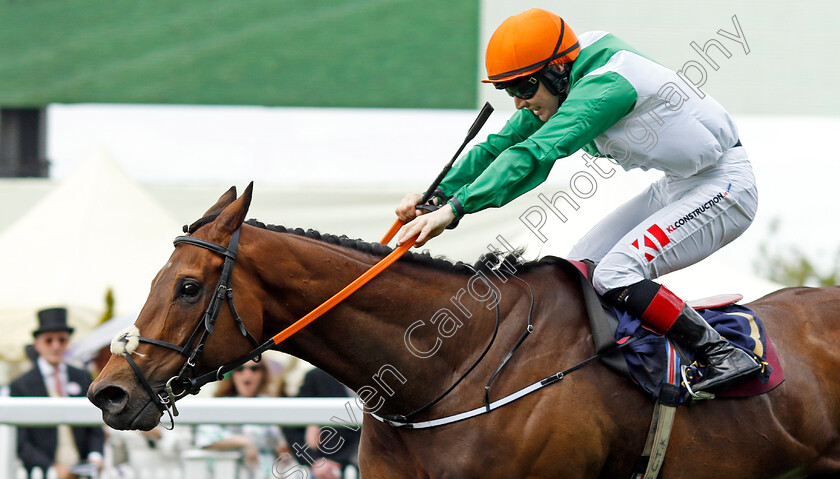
<point x="96" y="231"/>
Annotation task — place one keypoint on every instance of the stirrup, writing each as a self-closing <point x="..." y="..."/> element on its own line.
<point x="697" y="396"/>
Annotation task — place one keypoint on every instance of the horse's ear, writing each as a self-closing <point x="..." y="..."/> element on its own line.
<point x="224" y="200"/>
<point x="234" y="214"/>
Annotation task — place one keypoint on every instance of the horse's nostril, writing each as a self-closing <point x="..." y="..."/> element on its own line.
<point x="111" y="399"/>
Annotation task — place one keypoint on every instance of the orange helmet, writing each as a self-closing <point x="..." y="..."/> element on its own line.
<point x="527" y="42"/>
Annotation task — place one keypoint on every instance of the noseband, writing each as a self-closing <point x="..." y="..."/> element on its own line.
<point x="185" y="382"/>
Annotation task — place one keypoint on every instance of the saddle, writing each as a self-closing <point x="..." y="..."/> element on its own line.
<point x="653" y="362"/>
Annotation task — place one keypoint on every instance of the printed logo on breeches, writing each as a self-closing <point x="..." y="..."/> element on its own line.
<point x="651" y="247"/>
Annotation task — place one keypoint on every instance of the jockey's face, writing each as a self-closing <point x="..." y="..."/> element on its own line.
<point x="543" y="104"/>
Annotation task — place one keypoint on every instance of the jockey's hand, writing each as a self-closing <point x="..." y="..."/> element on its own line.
<point x="407" y="210"/>
<point x="427" y="226"/>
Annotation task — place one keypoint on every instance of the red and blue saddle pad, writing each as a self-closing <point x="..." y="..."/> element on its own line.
<point x="652" y="361"/>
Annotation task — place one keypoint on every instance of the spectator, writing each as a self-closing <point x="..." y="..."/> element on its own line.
<point x="159" y="449"/>
<point x="326" y="462"/>
<point x="260" y="444"/>
<point x="59" y="447"/>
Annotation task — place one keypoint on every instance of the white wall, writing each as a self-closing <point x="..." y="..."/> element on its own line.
<point x="324" y="152"/>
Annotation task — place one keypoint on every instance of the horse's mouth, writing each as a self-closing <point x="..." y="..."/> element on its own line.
<point x="123" y="406"/>
<point x="146" y="418"/>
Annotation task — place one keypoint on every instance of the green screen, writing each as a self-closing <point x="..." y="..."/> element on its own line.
<point x="359" y="53"/>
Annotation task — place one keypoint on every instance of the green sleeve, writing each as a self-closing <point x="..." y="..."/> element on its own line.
<point x="594" y="104"/>
<point x="519" y="127"/>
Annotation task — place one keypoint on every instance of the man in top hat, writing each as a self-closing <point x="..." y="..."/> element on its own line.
<point x="59" y="447"/>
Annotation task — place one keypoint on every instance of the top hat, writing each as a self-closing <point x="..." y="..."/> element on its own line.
<point x="52" y="320"/>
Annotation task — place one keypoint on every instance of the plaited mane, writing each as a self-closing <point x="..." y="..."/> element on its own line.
<point x="379" y="250"/>
<point x="375" y="249"/>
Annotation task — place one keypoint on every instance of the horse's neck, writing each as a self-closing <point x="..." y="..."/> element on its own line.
<point x="411" y="327"/>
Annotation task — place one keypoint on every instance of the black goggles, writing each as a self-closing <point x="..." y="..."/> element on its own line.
<point x="523" y="88"/>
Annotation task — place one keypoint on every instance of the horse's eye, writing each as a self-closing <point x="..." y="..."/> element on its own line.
<point x="190" y="289"/>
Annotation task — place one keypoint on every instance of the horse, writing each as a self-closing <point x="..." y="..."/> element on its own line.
<point x="426" y="326"/>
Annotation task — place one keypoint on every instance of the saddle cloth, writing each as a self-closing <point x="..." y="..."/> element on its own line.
<point x="647" y="360"/>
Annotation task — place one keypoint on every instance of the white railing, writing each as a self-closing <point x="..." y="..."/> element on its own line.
<point x="80" y="412"/>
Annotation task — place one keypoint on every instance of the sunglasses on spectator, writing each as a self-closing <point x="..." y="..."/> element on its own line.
<point x="59" y="339"/>
<point x="523" y="88"/>
<point x="253" y="368"/>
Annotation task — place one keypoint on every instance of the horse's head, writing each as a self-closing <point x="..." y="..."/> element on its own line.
<point x="188" y="326"/>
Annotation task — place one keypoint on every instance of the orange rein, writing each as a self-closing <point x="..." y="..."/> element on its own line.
<point x="391" y="232"/>
<point x="350" y="288"/>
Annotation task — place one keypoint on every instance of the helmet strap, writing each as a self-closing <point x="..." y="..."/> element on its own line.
<point x="557" y="82"/>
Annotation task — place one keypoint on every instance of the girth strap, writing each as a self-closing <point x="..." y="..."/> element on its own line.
<point x="658" y="437"/>
<point x="661" y="423"/>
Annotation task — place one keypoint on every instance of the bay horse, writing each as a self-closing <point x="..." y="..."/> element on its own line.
<point x="391" y="340"/>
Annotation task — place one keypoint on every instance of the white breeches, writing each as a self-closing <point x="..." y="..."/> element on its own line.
<point x="674" y="223"/>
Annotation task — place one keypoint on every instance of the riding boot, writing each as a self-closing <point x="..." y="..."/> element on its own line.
<point x="726" y="365"/>
<point x="665" y="313"/>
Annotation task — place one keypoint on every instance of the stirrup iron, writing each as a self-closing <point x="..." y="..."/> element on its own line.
<point x="697" y="396"/>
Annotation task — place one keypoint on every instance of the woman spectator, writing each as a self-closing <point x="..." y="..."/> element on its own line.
<point x="260" y="444"/>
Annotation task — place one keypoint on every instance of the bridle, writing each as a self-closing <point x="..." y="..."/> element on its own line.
<point x="185" y="381"/>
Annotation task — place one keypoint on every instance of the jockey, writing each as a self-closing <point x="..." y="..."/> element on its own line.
<point x="598" y="93"/>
